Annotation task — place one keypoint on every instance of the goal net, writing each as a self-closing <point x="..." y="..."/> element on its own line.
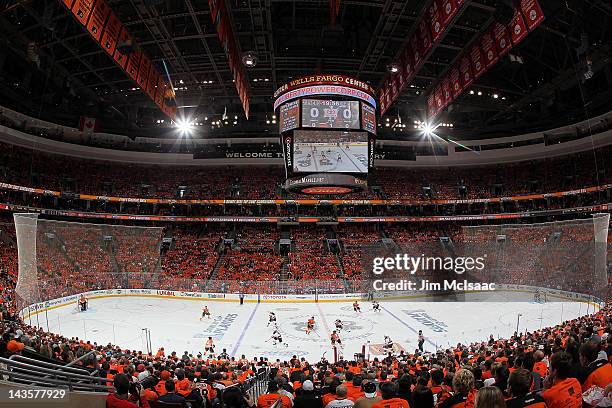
<point x="59" y="258"/>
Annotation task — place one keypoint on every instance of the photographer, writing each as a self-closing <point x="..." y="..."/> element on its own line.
<point x="127" y="395"/>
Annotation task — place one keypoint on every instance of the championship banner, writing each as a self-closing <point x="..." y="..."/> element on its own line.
<point x="532" y="12"/>
<point x="502" y="38"/>
<point x="488" y="48"/>
<point x="68" y="3"/>
<point x="120" y="58"/>
<point x="439" y="98"/>
<point x="446" y="90"/>
<point x="82" y="10"/>
<point x="455" y="81"/>
<point x="98" y="18"/>
<point x="449" y="10"/>
<point x="518" y="29"/>
<point x="133" y="64"/>
<point x="465" y="68"/>
<point x="435" y="21"/>
<point x="478" y="65"/>
<point x="111" y="32"/>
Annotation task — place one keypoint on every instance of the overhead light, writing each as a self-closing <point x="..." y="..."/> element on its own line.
<point x="249" y="59"/>
<point x="183" y="126"/>
<point x="479" y="93"/>
<point x="495" y="96"/>
<point x="472" y="92"/>
<point x="273" y="116"/>
<point x="393" y="68"/>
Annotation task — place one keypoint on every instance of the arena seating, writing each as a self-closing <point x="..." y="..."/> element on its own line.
<point x="30" y="168"/>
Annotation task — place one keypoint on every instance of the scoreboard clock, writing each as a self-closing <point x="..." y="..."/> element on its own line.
<point x="329" y="114"/>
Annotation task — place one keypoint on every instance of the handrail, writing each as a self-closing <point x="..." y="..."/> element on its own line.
<point x="16" y="357"/>
<point x="25" y="366"/>
<point x="35" y="380"/>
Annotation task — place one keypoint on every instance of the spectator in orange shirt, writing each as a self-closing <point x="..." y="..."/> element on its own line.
<point x="15" y="346"/>
<point x="598" y="369"/>
<point x="388" y="391"/>
<point x="561" y="391"/>
<point x="268" y="399"/>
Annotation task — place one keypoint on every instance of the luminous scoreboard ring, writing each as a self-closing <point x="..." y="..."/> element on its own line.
<point x="327" y="125"/>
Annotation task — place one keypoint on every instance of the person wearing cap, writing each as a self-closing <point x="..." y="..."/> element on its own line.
<point x="268" y="399"/>
<point x="307" y="397"/>
<point x="598" y="370"/>
<point x="160" y="388"/>
<point x="370" y="396"/>
<point x="340" y="401"/>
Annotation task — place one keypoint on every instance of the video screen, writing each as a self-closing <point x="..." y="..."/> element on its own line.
<point x="330" y="151"/>
<point x="317" y="113"/>
<point x="368" y="118"/>
<point x="289" y="116"/>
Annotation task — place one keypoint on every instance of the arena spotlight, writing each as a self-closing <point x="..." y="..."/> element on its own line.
<point x="249" y="59"/>
<point x="183" y="126"/>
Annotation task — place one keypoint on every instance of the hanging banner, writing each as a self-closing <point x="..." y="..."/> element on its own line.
<point x="435" y="21"/>
<point x="152" y="80"/>
<point x="111" y="32"/>
<point x="424" y="37"/>
<point x="446" y="90"/>
<point x="449" y="10"/>
<point x="143" y="72"/>
<point x="98" y="18"/>
<point x="455" y="81"/>
<point x="532" y="12"/>
<point x="415" y="46"/>
<point x="488" y="48"/>
<point x="465" y="68"/>
<point x="502" y="38"/>
<point x="82" y="10"/>
<point x="120" y="58"/>
<point x="431" y="106"/>
<point x="133" y="64"/>
<point x="478" y="65"/>
<point x="408" y="65"/>
<point x="439" y="98"/>
<point x="518" y="29"/>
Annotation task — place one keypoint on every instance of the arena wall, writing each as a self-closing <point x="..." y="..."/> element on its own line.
<point x="42" y="307"/>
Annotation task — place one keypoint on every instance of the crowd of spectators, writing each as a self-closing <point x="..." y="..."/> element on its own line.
<point x="37" y="169"/>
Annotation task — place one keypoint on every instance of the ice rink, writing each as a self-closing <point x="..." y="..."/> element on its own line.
<point x="175" y="324"/>
<point x="329" y="157"/>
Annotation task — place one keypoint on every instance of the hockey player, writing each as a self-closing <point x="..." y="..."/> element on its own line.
<point x="310" y="325"/>
<point x="277" y="338"/>
<point x="209" y="347"/>
<point x="421" y="340"/>
<point x="83" y="303"/>
<point x="375" y="306"/>
<point x="205" y="313"/>
<point x="388" y="343"/>
<point x="335" y="339"/>
<point x="338" y="324"/>
<point x="271" y="319"/>
<point x="356" y="307"/>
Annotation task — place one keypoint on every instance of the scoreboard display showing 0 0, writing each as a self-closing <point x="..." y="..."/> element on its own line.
<point x="330" y="114"/>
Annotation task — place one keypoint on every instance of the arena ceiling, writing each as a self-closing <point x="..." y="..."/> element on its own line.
<point x="51" y="67"/>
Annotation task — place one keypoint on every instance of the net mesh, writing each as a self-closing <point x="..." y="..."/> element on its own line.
<point x="58" y="258"/>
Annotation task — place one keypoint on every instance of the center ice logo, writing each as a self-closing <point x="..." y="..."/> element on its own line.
<point x="352" y="329"/>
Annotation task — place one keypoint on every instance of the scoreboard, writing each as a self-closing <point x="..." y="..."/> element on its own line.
<point x="330" y="114"/>
<point x="328" y="129"/>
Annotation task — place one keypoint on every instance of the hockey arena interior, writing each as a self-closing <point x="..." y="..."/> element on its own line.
<point x="305" y="203"/>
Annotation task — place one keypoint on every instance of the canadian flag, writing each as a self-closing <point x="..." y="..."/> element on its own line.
<point x="87" y="125"/>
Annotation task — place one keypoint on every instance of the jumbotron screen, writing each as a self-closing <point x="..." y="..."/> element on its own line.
<point x="330" y="151"/>
<point x="318" y="113"/>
